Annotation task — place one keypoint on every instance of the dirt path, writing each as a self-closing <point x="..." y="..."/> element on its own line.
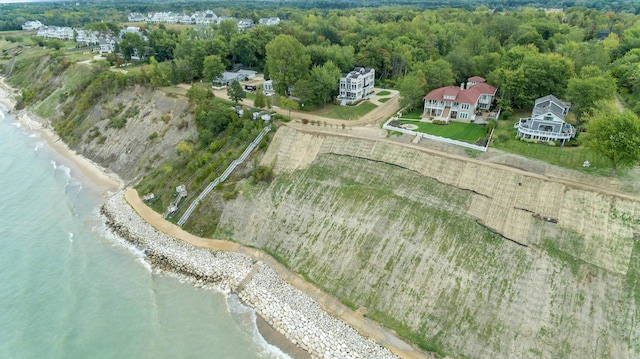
<point x="329" y="303"/>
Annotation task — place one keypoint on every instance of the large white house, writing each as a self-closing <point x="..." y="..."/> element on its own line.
<point x="356" y="85"/>
<point x="136" y="17"/>
<point x="269" y="21"/>
<point x="32" y="25"/>
<point x="55" y="32"/>
<point x="459" y="103"/>
<point x="547" y="121"/>
<point x="205" y="18"/>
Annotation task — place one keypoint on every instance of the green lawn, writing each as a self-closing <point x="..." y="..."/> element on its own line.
<point x="383" y="93"/>
<point x="568" y="157"/>
<point x="466" y="132"/>
<point x="76" y="56"/>
<point x="344" y="112"/>
<point x="383" y="100"/>
<point x="415" y="113"/>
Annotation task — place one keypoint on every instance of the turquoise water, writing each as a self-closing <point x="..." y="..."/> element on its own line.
<point x="69" y="289"/>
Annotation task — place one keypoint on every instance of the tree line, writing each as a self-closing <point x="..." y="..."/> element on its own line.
<point x="580" y="54"/>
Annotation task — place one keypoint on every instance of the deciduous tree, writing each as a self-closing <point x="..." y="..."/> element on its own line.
<point x="236" y="92"/>
<point x="258" y="101"/>
<point x="213" y="67"/>
<point x="287" y="62"/>
<point x="289" y="104"/>
<point x="325" y="80"/>
<point x="614" y="134"/>
<point x="413" y="88"/>
<point x="592" y="85"/>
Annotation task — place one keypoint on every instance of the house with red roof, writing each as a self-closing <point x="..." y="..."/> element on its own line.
<point x="459" y="103"/>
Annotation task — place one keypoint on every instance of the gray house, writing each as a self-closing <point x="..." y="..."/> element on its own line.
<point x="547" y="121"/>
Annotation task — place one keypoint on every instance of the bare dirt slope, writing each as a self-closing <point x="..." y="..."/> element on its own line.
<point x="155" y="124"/>
<point x="477" y="260"/>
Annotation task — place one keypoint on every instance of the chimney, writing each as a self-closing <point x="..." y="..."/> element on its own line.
<point x="462" y="86"/>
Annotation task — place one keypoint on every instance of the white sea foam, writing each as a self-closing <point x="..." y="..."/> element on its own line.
<point x="116" y="240"/>
<point x="71" y="237"/>
<point x="246" y="317"/>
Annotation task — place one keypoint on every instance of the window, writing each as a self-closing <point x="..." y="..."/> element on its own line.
<point x="464" y="115"/>
<point x="465" y="106"/>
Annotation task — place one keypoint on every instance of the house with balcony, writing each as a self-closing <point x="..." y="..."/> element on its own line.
<point x="356" y="85"/>
<point x="462" y="103"/>
<point x="547" y="121"/>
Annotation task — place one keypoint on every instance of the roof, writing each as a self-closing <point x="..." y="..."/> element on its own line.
<point x="357" y="72"/>
<point x="470" y="95"/>
<point x="476" y="79"/>
<point x="551" y="104"/>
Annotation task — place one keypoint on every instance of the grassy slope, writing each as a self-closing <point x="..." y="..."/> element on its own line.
<point x="403" y="247"/>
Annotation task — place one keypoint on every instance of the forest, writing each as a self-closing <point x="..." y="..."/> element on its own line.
<point x="579" y="54"/>
<point x="582" y="55"/>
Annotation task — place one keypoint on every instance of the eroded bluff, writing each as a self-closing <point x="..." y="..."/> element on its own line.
<point x="476" y="261"/>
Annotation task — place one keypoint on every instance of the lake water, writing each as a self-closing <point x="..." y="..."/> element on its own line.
<point x="69" y="289"/>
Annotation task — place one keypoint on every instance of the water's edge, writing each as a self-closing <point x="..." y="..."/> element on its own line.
<point x="289" y="311"/>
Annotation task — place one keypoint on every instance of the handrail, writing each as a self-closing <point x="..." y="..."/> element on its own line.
<point x="224" y="175"/>
<point x="528" y="131"/>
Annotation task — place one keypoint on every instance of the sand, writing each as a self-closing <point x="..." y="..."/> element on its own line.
<point x="99" y="176"/>
<point x="95" y="175"/>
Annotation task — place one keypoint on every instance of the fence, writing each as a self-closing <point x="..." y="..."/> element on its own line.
<point x="386" y="126"/>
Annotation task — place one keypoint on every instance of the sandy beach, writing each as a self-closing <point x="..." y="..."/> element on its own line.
<point x="101" y="177"/>
<point x="91" y="171"/>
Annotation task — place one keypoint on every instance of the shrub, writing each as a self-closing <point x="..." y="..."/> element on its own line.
<point x="117" y="122"/>
<point x="440" y="122"/>
<point x="506" y="115"/>
<point x="153" y="136"/>
<point x="230" y="195"/>
<point x="183" y="124"/>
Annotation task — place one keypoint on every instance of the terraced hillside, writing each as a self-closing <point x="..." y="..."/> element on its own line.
<point x="468" y="259"/>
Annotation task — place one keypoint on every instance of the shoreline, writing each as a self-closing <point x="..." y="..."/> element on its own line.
<point x="296" y="341"/>
<point x="293" y="314"/>
<point x="91" y="171"/>
<point x="107" y="183"/>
